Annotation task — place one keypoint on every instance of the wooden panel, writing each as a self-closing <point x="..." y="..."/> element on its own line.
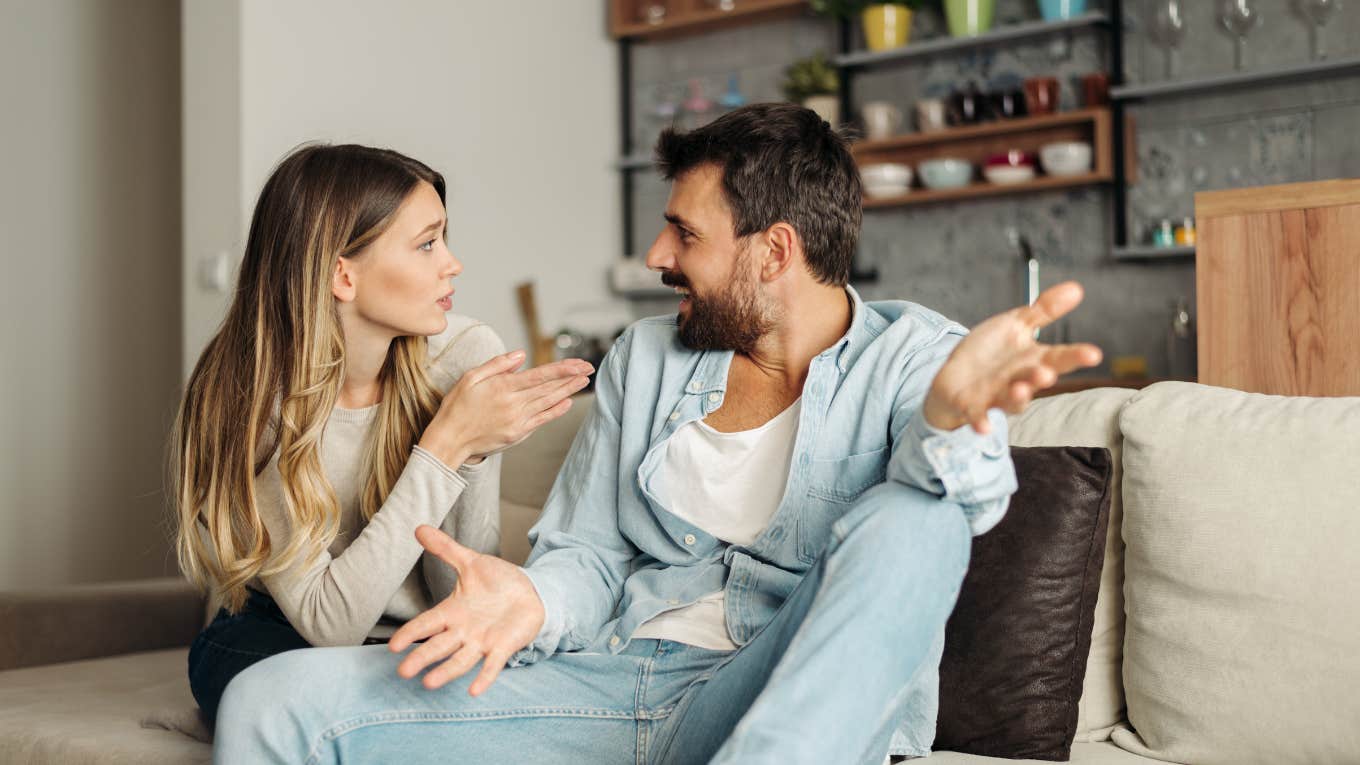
<point x="1289" y="196"/>
<point x="1277" y="293"/>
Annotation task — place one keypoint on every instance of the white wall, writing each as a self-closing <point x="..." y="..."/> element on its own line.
<point x="515" y="103"/>
<point x="89" y="229"/>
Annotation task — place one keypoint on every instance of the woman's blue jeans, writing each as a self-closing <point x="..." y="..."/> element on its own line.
<point x="852" y="654"/>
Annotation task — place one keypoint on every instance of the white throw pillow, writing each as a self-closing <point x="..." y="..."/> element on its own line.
<point x="1242" y="576"/>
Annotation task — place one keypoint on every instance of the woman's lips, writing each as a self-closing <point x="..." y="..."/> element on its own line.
<point x="445" y="302"/>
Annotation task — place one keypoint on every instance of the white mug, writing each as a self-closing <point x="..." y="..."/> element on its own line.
<point x="930" y="115"/>
<point x="881" y="120"/>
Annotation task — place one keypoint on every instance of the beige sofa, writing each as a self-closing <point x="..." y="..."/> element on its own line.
<point x="1226" y="629"/>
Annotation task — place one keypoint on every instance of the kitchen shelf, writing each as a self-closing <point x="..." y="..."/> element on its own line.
<point x="985" y="189"/>
<point x="976" y="143"/>
<point x="943" y="45"/>
<point x="1151" y="252"/>
<point x="694" y="16"/>
<point x="1235" y="80"/>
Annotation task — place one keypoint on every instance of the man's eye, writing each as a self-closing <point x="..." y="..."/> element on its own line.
<point x="428" y="246"/>
<point x="685" y="236"/>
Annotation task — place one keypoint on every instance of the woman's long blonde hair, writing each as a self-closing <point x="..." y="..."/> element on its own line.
<point x="269" y="378"/>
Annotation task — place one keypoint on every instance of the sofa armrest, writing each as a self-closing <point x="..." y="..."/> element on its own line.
<point x="89" y="621"/>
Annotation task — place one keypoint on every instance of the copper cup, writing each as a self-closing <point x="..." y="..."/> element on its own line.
<point x="1095" y="89"/>
<point x="1041" y="95"/>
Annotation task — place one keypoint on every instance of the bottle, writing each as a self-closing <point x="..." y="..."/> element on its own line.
<point x="698" y="107"/>
<point x="733" y="98"/>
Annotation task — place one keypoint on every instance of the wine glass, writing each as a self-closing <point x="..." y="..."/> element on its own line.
<point x="1239" y="17"/>
<point x="1168" y="29"/>
<point x="1319" y="12"/>
<point x="652" y="11"/>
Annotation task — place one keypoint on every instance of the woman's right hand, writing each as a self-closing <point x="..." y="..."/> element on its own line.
<point x="493" y="407"/>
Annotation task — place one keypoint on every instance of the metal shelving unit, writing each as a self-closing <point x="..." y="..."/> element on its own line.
<point x="946" y="45"/>
<point x="1236" y="80"/>
<point x="1153" y="253"/>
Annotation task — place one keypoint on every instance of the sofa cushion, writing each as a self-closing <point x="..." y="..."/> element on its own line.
<point x="1091" y="418"/>
<point x="1017" y="641"/>
<point x="1242" y="526"/>
<point x="1082" y="754"/>
<point x="112" y="711"/>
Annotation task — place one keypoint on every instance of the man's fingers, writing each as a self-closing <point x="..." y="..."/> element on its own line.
<point x="443" y="546"/>
<point x="1066" y="358"/>
<point x="429" y="623"/>
<point x="458" y="665"/>
<point x="491" y="669"/>
<point x="429" y="652"/>
<point x="1052" y="304"/>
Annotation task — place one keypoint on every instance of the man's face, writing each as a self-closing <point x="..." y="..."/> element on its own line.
<point x="718" y="275"/>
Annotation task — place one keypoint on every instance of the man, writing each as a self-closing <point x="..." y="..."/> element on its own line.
<point x="757" y="536"/>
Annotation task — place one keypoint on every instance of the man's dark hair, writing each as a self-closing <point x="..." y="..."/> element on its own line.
<point x="780" y="162"/>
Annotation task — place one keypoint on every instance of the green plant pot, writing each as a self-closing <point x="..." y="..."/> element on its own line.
<point x="969" y="18"/>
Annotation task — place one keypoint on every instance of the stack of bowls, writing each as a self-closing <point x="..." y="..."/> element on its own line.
<point x="886" y="179"/>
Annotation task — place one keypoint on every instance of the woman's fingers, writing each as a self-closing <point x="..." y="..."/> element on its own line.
<point x="549" y="373"/>
<point x="458" y="665"/>
<point x="547" y="395"/>
<point x="548" y="415"/>
<point x="506" y="362"/>
<point x="429" y="652"/>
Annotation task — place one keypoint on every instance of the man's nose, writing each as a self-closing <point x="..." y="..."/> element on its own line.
<point x="660" y="257"/>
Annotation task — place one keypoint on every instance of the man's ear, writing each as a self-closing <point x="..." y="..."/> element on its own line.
<point x="782" y="247"/>
<point x="342" y="282"/>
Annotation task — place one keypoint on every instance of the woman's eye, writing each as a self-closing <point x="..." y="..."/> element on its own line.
<point x="428" y="246"/>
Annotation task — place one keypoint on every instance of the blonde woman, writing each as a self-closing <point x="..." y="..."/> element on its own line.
<point x="337" y="409"/>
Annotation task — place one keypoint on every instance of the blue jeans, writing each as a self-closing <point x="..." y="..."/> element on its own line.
<point x="851" y="653"/>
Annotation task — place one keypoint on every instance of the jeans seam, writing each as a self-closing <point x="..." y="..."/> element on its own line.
<point x="218" y="646"/>
<point x="340" y="730"/>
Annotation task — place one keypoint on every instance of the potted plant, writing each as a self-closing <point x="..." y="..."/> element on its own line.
<point x="813" y="82"/>
<point x="886" y="24"/>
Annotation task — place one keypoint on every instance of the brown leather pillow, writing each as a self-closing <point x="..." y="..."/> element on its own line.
<point x="1016" y="644"/>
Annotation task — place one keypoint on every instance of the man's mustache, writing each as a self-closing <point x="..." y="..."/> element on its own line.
<point x="674" y="279"/>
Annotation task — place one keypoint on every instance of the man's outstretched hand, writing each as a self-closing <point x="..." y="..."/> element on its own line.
<point x="493" y="612"/>
<point x="1000" y="364"/>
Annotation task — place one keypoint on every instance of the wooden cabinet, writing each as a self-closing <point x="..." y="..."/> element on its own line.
<point x="1278" y="281"/>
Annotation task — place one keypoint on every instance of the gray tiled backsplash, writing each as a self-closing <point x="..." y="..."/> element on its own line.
<point x="956" y="257"/>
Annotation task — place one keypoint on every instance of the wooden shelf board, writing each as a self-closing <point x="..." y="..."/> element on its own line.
<point x="984" y="189"/>
<point x="688" y="22"/>
<point x="939" y="45"/>
<point x="984" y="130"/>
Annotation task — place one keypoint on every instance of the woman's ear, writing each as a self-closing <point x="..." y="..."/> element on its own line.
<point x="342" y="283"/>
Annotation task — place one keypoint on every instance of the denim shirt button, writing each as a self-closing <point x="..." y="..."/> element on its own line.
<point x="689" y="539"/>
<point x="714" y="398"/>
<point x="672" y="602"/>
<point x="614" y="640"/>
<point x="674" y="416"/>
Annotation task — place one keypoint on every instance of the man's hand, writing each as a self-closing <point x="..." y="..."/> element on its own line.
<point x="1000" y="364"/>
<point x="493" y="612"/>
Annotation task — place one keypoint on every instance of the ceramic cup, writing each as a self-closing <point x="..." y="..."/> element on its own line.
<point x="881" y="120"/>
<point x="1006" y="104"/>
<point x="1095" y="89"/>
<point x="1041" y="95"/>
<point x="930" y="115"/>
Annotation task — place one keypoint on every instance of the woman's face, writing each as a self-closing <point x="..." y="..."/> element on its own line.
<point x="401" y="283"/>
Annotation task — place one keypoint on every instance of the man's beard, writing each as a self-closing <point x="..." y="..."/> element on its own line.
<point x="728" y="321"/>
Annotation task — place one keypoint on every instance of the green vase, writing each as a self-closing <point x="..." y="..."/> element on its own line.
<point x="968" y="18"/>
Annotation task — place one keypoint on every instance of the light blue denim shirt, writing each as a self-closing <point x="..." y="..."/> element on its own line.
<point x="608" y="554"/>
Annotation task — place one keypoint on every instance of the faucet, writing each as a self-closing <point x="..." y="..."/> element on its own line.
<point x="1021" y="243"/>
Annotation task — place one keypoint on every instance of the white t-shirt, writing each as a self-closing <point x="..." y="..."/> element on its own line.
<point x="729" y="485"/>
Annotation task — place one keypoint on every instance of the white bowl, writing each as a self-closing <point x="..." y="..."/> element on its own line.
<point x="887" y="179"/>
<point x="886" y="174"/>
<point x="884" y="190"/>
<point x="1066" y="158"/>
<point x="1007" y="175"/>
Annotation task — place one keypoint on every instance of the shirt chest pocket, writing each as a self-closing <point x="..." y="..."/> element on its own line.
<point x="833" y="488"/>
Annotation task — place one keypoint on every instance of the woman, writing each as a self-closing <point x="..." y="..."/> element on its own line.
<point x="336" y="410"/>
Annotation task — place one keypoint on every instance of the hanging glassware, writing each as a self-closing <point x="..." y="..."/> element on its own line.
<point x="1239" y="17"/>
<point x="1167" y="27"/>
<point x="1319" y="12"/>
